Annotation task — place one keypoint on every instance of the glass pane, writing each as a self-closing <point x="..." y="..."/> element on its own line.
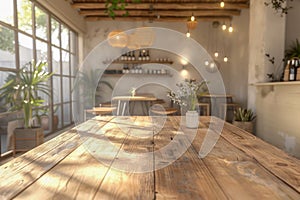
<point x="74" y="65"/>
<point x="65" y="63"/>
<point x="73" y="42"/>
<point x="4" y="78"/>
<point x="55" y="60"/>
<point x="41" y="51"/>
<point x="64" y="37"/>
<point x="58" y="117"/>
<point x="66" y="89"/>
<point x="55" y="32"/>
<point x="25" y="15"/>
<point x="25" y="48"/>
<point x="41" y="21"/>
<point x="67" y="114"/>
<point x="7" y="48"/>
<point x="56" y="89"/>
<point x="7" y="11"/>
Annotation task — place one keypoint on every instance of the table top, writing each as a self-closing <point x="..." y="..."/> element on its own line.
<point x="101" y="110"/>
<point x="217" y="95"/>
<point x="138" y="97"/>
<point x="240" y="166"/>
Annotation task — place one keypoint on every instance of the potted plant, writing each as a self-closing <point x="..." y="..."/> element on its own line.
<point x="21" y="92"/>
<point x="244" y="119"/>
<point x="186" y="97"/>
<point x="43" y="118"/>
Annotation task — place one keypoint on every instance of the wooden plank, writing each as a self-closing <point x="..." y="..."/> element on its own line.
<point x="241" y="176"/>
<point x="187" y="177"/>
<point x="14" y="166"/>
<point x="123" y="181"/>
<point x="273" y="159"/>
<point x="79" y="174"/>
<point x="165" y="6"/>
<point x="161" y="19"/>
<point x="12" y="185"/>
<point x="34" y="164"/>
<point x="164" y="13"/>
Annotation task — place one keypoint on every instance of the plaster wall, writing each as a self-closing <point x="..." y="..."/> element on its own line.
<point x="234" y="73"/>
<point x="278" y="106"/>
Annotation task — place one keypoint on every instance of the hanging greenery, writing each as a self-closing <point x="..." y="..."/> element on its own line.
<point x="279" y="6"/>
<point x="113" y="5"/>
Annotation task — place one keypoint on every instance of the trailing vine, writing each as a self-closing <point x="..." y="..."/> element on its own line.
<point x="279" y="6"/>
<point x="113" y="5"/>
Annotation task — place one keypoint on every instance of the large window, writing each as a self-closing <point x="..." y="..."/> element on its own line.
<point x="29" y="32"/>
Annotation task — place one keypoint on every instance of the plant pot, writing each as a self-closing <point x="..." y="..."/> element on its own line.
<point x="25" y="139"/>
<point x="45" y="122"/>
<point x="247" y="126"/>
<point x="192" y="119"/>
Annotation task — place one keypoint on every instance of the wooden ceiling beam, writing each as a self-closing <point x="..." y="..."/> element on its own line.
<point x="165" y="6"/>
<point x="161" y="19"/>
<point x="169" y="13"/>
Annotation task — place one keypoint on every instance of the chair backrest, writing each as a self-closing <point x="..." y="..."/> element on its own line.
<point x="11" y="126"/>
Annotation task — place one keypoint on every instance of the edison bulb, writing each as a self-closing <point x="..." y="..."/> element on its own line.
<point x="230" y="29"/>
<point x="188" y="34"/>
<point x="192" y="18"/>
<point x="117" y="37"/>
<point x="222" y="4"/>
<point x="224" y="27"/>
<point x="206" y="63"/>
<point x="225" y="59"/>
<point x="212" y="65"/>
<point x="216" y="54"/>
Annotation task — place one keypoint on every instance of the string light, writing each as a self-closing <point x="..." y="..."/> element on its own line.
<point x="206" y="63"/>
<point x="230" y="29"/>
<point x="192" y="18"/>
<point x="188" y="34"/>
<point x="222" y="4"/>
<point x="225" y="59"/>
<point x="216" y="54"/>
<point x="224" y="26"/>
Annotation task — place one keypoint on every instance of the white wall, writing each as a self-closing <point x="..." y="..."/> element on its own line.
<point x="234" y="72"/>
<point x="292" y="23"/>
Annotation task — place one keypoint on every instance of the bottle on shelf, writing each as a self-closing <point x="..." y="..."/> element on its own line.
<point x="140" y="56"/>
<point x="292" y="71"/>
<point x="297" y="67"/>
<point x="147" y="55"/>
<point x="287" y="71"/>
<point x="132" y="56"/>
<point x="143" y="55"/>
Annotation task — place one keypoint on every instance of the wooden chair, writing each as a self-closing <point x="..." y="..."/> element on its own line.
<point x="225" y="107"/>
<point x="206" y="107"/>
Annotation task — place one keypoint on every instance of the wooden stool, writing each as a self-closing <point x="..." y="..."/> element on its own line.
<point x="206" y="107"/>
<point x="163" y="111"/>
<point x="225" y="106"/>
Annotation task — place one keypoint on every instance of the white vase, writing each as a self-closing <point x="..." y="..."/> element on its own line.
<point x="192" y="119"/>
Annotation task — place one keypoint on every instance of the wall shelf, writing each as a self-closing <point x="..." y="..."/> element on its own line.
<point x="140" y="62"/>
<point x="276" y="83"/>
<point x="129" y="74"/>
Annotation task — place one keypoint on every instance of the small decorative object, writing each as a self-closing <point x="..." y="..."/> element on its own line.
<point x="279" y="6"/>
<point x="186" y="97"/>
<point x="244" y="119"/>
<point x="133" y="91"/>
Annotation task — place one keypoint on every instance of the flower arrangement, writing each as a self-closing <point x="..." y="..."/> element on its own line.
<point x="186" y="95"/>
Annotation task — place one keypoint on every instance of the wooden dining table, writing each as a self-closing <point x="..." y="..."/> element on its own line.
<point x="123" y="103"/>
<point x="79" y="164"/>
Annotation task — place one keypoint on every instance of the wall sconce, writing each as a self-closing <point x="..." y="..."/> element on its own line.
<point x="184" y="72"/>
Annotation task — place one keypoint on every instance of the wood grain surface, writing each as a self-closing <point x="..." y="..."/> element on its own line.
<point x="142" y="157"/>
